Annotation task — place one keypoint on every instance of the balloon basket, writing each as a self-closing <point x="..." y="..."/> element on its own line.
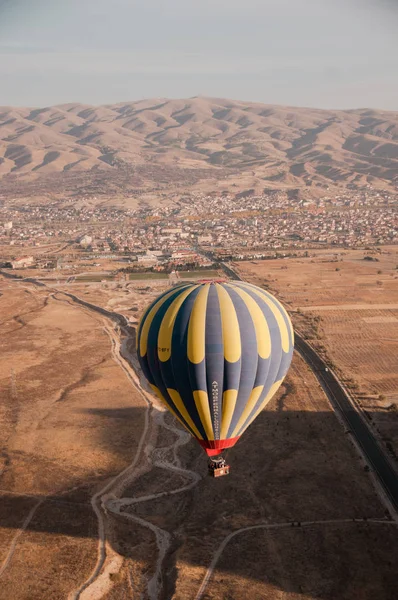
<point x="217" y="467"/>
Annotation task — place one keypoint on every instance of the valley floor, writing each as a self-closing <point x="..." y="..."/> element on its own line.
<point x="104" y="496"/>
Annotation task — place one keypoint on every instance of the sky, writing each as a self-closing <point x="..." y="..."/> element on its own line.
<point x="317" y="53"/>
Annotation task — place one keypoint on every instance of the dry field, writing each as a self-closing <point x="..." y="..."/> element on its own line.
<point x="72" y="421"/>
<point x="355" y="306"/>
<point x="57" y="375"/>
<point x="8" y="252"/>
<point x="128" y="299"/>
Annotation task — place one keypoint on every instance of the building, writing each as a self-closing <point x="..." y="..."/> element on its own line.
<point x="85" y="240"/>
<point x="22" y="262"/>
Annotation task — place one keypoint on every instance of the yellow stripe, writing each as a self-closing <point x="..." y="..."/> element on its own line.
<point x="268" y="397"/>
<point x="259" y="322"/>
<point x="158" y="393"/>
<point x="284" y="311"/>
<point x="230" y="326"/>
<point x="148" y="322"/>
<point x="202" y="404"/>
<point x="175" y="396"/>
<point x="167" y="405"/>
<point x="290" y="323"/>
<point x="167" y="325"/>
<point x="228" y="406"/>
<point x="197" y="327"/>
<point x="251" y="403"/>
<point x="277" y="314"/>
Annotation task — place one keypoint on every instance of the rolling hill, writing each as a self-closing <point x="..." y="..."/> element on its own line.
<point x="199" y="144"/>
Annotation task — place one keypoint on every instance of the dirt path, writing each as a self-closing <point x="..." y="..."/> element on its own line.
<point x="108" y="561"/>
<point x="284" y="525"/>
<point x="156" y="458"/>
<point x="20" y="531"/>
<point x="163" y="538"/>
<point x="99" y="581"/>
<point x="90" y="589"/>
<point x="107" y="499"/>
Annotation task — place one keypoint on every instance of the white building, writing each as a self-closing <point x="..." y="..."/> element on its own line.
<point x="23" y="261"/>
<point x="204" y="239"/>
<point x="85" y="240"/>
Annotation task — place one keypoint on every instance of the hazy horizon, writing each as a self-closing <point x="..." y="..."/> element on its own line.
<point x="307" y="53"/>
<point x="171" y="99"/>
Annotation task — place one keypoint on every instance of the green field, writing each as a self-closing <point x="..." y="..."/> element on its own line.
<point x="205" y="274"/>
<point x="94" y="278"/>
<point x="149" y="275"/>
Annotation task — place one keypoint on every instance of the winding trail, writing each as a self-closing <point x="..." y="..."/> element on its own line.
<point x="163" y="537"/>
<point x="128" y="472"/>
<point x="106" y="500"/>
<point x="284" y="525"/>
<point x="164" y="458"/>
<point x="16" y="537"/>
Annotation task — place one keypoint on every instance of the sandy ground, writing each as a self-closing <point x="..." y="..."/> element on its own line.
<point x="83" y="453"/>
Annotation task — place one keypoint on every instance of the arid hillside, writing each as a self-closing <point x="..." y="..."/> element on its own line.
<point x="199" y="144"/>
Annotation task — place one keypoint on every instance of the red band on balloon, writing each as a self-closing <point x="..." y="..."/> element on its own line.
<point x="214" y="447"/>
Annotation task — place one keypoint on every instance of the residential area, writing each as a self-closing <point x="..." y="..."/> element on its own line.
<point x="176" y="235"/>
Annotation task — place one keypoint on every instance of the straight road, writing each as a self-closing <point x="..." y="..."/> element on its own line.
<point x="355" y="422"/>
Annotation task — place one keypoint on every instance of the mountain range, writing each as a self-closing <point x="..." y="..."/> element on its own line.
<point x="194" y="145"/>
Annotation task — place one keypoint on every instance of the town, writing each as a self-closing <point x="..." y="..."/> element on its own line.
<point x="176" y="235"/>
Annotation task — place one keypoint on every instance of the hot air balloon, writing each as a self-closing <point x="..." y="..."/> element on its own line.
<point x="215" y="353"/>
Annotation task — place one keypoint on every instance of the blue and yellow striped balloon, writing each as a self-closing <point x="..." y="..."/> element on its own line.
<point x="215" y="354"/>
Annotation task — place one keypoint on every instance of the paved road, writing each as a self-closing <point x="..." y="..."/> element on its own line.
<point x="359" y="428"/>
<point x="354" y="420"/>
<point x="340" y="401"/>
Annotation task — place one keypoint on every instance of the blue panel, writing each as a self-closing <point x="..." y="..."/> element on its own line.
<point x="276" y="343"/>
<point x="288" y="324"/>
<point x="276" y="351"/>
<point x="149" y="308"/>
<point x="179" y="360"/>
<point x="215" y="374"/>
<point x="152" y="353"/>
<point x="214" y="359"/>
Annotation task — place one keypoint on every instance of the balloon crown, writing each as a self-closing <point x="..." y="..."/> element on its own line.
<point x="212" y="280"/>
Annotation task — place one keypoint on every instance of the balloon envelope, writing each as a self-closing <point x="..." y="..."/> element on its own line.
<point x="215" y="354"/>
